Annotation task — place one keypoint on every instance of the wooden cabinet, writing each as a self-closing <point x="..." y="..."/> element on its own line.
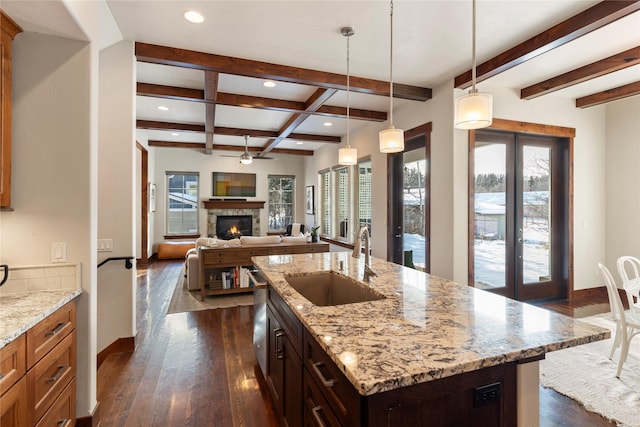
<point x="284" y="364"/>
<point x="38" y="373"/>
<point x="9" y="31"/>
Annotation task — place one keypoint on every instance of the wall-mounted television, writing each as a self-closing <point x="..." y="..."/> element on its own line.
<point x="232" y="184"/>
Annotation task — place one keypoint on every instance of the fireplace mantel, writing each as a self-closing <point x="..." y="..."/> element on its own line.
<point x="232" y="204"/>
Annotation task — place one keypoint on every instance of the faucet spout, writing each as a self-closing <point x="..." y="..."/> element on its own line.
<point x="364" y="231"/>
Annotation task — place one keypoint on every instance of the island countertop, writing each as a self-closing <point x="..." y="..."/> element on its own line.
<point x="426" y="327"/>
<point x="21" y="311"/>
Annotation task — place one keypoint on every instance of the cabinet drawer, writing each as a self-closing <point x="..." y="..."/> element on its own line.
<point x="12" y="363"/>
<point x="317" y="410"/>
<point x="13" y="406"/>
<point x="49" y="332"/>
<point x="63" y="411"/>
<point x="343" y="399"/>
<point x="47" y="379"/>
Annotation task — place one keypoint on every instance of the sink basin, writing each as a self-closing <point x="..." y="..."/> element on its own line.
<point x="328" y="288"/>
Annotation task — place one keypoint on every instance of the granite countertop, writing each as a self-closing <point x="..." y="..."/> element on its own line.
<point x="425" y="329"/>
<point x="21" y="311"/>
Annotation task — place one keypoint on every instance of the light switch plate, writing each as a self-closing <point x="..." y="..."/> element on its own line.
<point x="59" y="252"/>
<point x="105" y="245"/>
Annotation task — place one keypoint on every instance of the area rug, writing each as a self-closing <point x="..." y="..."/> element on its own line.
<point x="585" y="373"/>
<point x="184" y="300"/>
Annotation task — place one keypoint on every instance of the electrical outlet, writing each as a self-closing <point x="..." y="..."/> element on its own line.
<point x="105" y="245"/>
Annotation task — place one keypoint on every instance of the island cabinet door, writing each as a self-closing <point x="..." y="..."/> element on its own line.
<point x="483" y="398"/>
<point x="275" y="368"/>
<point x="284" y="374"/>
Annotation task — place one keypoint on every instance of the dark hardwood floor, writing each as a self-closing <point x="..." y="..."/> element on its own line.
<point x="198" y="368"/>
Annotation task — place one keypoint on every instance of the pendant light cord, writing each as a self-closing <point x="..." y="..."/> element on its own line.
<point x="348" y="132"/>
<point x="391" y="70"/>
<point x="473" y="49"/>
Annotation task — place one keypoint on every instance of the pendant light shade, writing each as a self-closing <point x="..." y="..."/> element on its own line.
<point x="348" y="156"/>
<point x="391" y="139"/>
<point x="475" y="109"/>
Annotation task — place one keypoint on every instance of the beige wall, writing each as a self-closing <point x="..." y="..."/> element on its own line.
<point x="54" y="174"/>
<point x="192" y="160"/>
<point x="116" y="193"/>
<point x="622" y="200"/>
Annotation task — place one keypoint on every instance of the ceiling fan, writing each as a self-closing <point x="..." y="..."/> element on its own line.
<point x="246" y="158"/>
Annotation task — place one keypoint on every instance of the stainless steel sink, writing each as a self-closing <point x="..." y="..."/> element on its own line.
<point x="328" y="288"/>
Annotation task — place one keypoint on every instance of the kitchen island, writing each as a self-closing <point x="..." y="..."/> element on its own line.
<point x="428" y="348"/>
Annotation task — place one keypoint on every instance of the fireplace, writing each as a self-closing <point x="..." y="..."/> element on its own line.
<point x="232" y="226"/>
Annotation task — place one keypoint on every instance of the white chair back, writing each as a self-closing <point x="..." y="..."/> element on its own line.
<point x="617" y="309"/>
<point x="623" y="263"/>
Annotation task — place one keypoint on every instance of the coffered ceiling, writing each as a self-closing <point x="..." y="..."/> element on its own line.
<point x="588" y="51"/>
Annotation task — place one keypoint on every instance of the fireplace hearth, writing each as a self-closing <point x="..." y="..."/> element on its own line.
<point x="232" y="226"/>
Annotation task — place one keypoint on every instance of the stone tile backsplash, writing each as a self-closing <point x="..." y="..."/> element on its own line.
<point x="42" y="278"/>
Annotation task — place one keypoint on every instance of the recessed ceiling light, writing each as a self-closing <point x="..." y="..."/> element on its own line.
<point x="162" y="108"/>
<point x="193" y="16"/>
<point x="327" y="124"/>
<point x="269" y="83"/>
<point x="299" y="143"/>
<point x="175" y="134"/>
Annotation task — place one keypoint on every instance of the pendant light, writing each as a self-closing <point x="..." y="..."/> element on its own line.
<point x="391" y="139"/>
<point x="474" y="109"/>
<point x="246" y="158"/>
<point x="348" y="155"/>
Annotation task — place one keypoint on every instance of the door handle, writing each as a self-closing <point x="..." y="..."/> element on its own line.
<point x="398" y="235"/>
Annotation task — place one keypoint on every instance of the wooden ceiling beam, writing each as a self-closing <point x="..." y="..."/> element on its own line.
<point x="583" y="23"/>
<point x="247" y="101"/>
<point x="255" y="133"/>
<point x="609" y="95"/>
<point x="263" y="70"/>
<point x="314" y="102"/>
<point x="605" y="66"/>
<point x="210" y="96"/>
<point x="223" y="147"/>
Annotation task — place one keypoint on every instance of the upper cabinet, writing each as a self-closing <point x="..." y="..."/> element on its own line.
<point x="9" y="31"/>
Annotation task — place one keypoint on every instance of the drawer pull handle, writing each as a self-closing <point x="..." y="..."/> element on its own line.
<point x="1" y="376"/>
<point x="316" y="414"/>
<point x="55" y="330"/>
<point x="279" y="333"/>
<point x="57" y="375"/>
<point x="325" y="382"/>
<point x="62" y="423"/>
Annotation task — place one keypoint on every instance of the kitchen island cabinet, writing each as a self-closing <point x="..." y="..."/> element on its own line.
<point x="429" y="350"/>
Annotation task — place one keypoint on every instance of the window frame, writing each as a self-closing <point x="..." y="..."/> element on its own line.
<point x="293" y="201"/>
<point x="168" y="233"/>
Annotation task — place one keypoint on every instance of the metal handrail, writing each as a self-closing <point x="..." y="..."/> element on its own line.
<point x="127" y="261"/>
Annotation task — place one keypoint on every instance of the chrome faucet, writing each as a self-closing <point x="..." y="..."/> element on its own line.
<point x="364" y="231"/>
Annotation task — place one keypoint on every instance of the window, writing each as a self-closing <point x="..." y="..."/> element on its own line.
<point x="363" y="194"/>
<point x="182" y="203"/>
<point x="325" y="202"/>
<point x="281" y="201"/>
<point x="343" y="206"/>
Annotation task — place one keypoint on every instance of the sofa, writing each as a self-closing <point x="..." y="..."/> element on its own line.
<point x="192" y="260"/>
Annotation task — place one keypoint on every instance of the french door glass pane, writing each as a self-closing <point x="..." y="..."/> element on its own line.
<point x="364" y="194"/>
<point x="414" y="207"/>
<point x="536" y="201"/>
<point x="490" y="215"/>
